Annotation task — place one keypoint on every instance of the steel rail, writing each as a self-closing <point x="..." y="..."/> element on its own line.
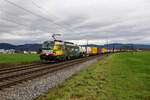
<point x="32" y="70"/>
<point x="10" y="80"/>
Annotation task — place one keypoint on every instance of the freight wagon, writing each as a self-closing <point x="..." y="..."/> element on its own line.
<point x="94" y="51"/>
<point x="101" y="51"/>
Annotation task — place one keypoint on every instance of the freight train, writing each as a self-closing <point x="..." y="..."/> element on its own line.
<point x="58" y="50"/>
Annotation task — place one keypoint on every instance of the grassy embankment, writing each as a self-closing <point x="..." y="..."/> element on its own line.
<point x="10" y="60"/>
<point x="122" y="76"/>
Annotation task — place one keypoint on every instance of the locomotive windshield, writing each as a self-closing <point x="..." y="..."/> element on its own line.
<point x="48" y="45"/>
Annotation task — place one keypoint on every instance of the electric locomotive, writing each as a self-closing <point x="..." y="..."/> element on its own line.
<point x="58" y="50"/>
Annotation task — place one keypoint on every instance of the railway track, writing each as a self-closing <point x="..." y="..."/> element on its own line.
<point x="15" y="69"/>
<point x="13" y="76"/>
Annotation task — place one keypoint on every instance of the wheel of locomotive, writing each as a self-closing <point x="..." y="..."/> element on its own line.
<point x="68" y="58"/>
<point x="60" y="59"/>
<point x="64" y="58"/>
<point x="44" y="61"/>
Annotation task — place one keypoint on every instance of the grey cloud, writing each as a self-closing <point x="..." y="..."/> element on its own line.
<point x="124" y="20"/>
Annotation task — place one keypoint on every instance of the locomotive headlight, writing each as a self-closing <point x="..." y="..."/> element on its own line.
<point x="43" y="52"/>
<point x="47" y="52"/>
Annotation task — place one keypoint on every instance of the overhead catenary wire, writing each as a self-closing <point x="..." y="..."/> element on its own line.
<point x="31" y="12"/>
<point x="8" y="19"/>
<point x="14" y="22"/>
<point x="60" y="28"/>
<point x="11" y="21"/>
<point x="37" y="5"/>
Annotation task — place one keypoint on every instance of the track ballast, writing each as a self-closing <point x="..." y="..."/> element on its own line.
<point x="12" y="76"/>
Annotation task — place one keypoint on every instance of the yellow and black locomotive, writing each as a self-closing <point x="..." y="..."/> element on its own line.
<point x="58" y="50"/>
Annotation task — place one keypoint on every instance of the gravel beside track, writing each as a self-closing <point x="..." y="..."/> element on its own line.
<point x="33" y="88"/>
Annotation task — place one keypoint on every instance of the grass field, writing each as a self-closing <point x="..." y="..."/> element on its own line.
<point x="122" y="76"/>
<point x="10" y="60"/>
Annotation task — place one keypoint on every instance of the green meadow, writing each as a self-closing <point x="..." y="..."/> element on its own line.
<point x="11" y="60"/>
<point x="121" y="76"/>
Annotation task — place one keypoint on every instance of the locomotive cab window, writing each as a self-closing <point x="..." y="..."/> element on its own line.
<point x="48" y="45"/>
<point x="59" y="47"/>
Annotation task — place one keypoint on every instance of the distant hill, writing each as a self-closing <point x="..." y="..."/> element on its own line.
<point x="135" y="45"/>
<point x="116" y="45"/>
<point x="26" y="47"/>
<point x="35" y="47"/>
<point x="7" y="46"/>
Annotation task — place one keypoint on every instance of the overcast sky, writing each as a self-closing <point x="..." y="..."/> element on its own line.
<point x="34" y="21"/>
